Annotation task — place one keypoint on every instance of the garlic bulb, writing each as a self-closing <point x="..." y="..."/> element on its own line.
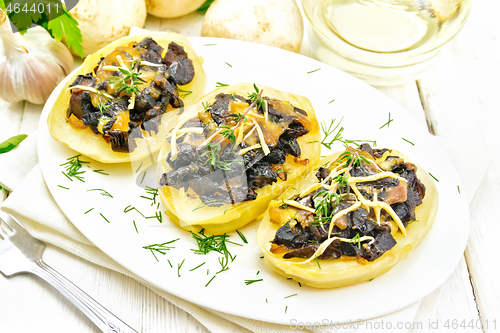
<point x="30" y="65"/>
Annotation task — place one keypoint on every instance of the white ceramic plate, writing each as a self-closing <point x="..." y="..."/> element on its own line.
<point x="364" y="110"/>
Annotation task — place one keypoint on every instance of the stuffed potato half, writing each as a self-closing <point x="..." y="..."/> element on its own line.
<point x="118" y="104"/>
<point x="239" y="147"/>
<point x="352" y="247"/>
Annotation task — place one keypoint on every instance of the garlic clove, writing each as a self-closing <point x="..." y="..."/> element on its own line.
<point x="31" y="65"/>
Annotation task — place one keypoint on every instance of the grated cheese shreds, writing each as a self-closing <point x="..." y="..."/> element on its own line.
<point x="210" y="138"/>
<point x="265" y="148"/>
<point x="310" y="189"/>
<point x="91" y="90"/>
<point x="327" y="243"/>
<point x="340" y="213"/>
<point x="246" y="150"/>
<point x="249" y="133"/>
<point x="299" y="206"/>
<point x="110" y="68"/>
<point x="120" y="61"/>
<point x="131" y="104"/>
<point x="241" y="130"/>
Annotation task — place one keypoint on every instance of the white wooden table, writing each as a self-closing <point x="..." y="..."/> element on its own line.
<point x="458" y="99"/>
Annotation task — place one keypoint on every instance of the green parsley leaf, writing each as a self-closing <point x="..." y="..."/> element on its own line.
<point x="66" y="26"/>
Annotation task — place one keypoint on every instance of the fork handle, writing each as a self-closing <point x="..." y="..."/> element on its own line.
<point x="102" y="318"/>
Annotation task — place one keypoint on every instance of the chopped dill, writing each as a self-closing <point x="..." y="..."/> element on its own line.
<point x="136" y="171"/>
<point x="408" y="141"/>
<point x="103" y="192"/>
<point x="169" y="263"/>
<point x="130" y="208"/>
<point x="290" y="296"/>
<point x="286" y="308"/>
<point x="228" y="64"/>
<point x="388" y="122"/>
<point x="299" y="284"/>
<point x="73" y="168"/>
<point x="213" y="277"/>
<point x="210" y="44"/>
<point x="458" y="187"/>
<point x="192" y="269"/>
<point x="209" y="203"/>
<point x="317" y="69"/>
<point x="101" y="172"/>
<point x="317" y="261"/>
<point x="333" y="100"/>
<point x="242" y="237"/>
<point x="104" y="217"/>
<point x="63" y="187"/>
<point x="161" y="248"/>
<point x="430" y="174"/>
<point x="154" y="194"/>
<point x="91" y="209"/>
<point x="220" y="85"/>
<point x="179" y="267"/>
<point x="249" y="282"/>
<point x="135" y="226"/>
<point x="157" y="216"/>
<point x="143" y="175"/>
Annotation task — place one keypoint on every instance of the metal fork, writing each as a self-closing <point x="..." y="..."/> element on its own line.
<point x="22" y="253"/>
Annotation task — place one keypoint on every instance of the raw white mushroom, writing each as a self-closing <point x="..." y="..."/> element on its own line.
<point x="104" y="21"/>
<point x="271" y="22"/>
<point x="172" y="8"/>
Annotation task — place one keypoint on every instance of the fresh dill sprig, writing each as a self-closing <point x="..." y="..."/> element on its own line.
<point x="228" y="133"/>
<point x="206" y="106"/>
<point x="214" y="158"/>
<point x="184" y="93"/>
<point x="349" y="158"/>
<point x="157" y="216"/>
<point x="161" y="247"/>
<point x="103" y="192"/>
<point x="356" y="239"/>
<point x="129" y="82"/>
<point x="239" y="116"/>
<point x="257" y="97"/>
<point x="248" y="282"/>
<point x="331" y="130"/>
<point x="73" y="168"/>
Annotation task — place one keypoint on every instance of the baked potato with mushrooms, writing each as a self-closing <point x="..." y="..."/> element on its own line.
<point x="118" y="105"/>
<point x="355" y="217"/>
<point x="231" y="153"/>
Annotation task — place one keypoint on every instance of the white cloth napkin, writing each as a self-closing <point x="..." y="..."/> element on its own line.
<point x="20" y="173"/>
